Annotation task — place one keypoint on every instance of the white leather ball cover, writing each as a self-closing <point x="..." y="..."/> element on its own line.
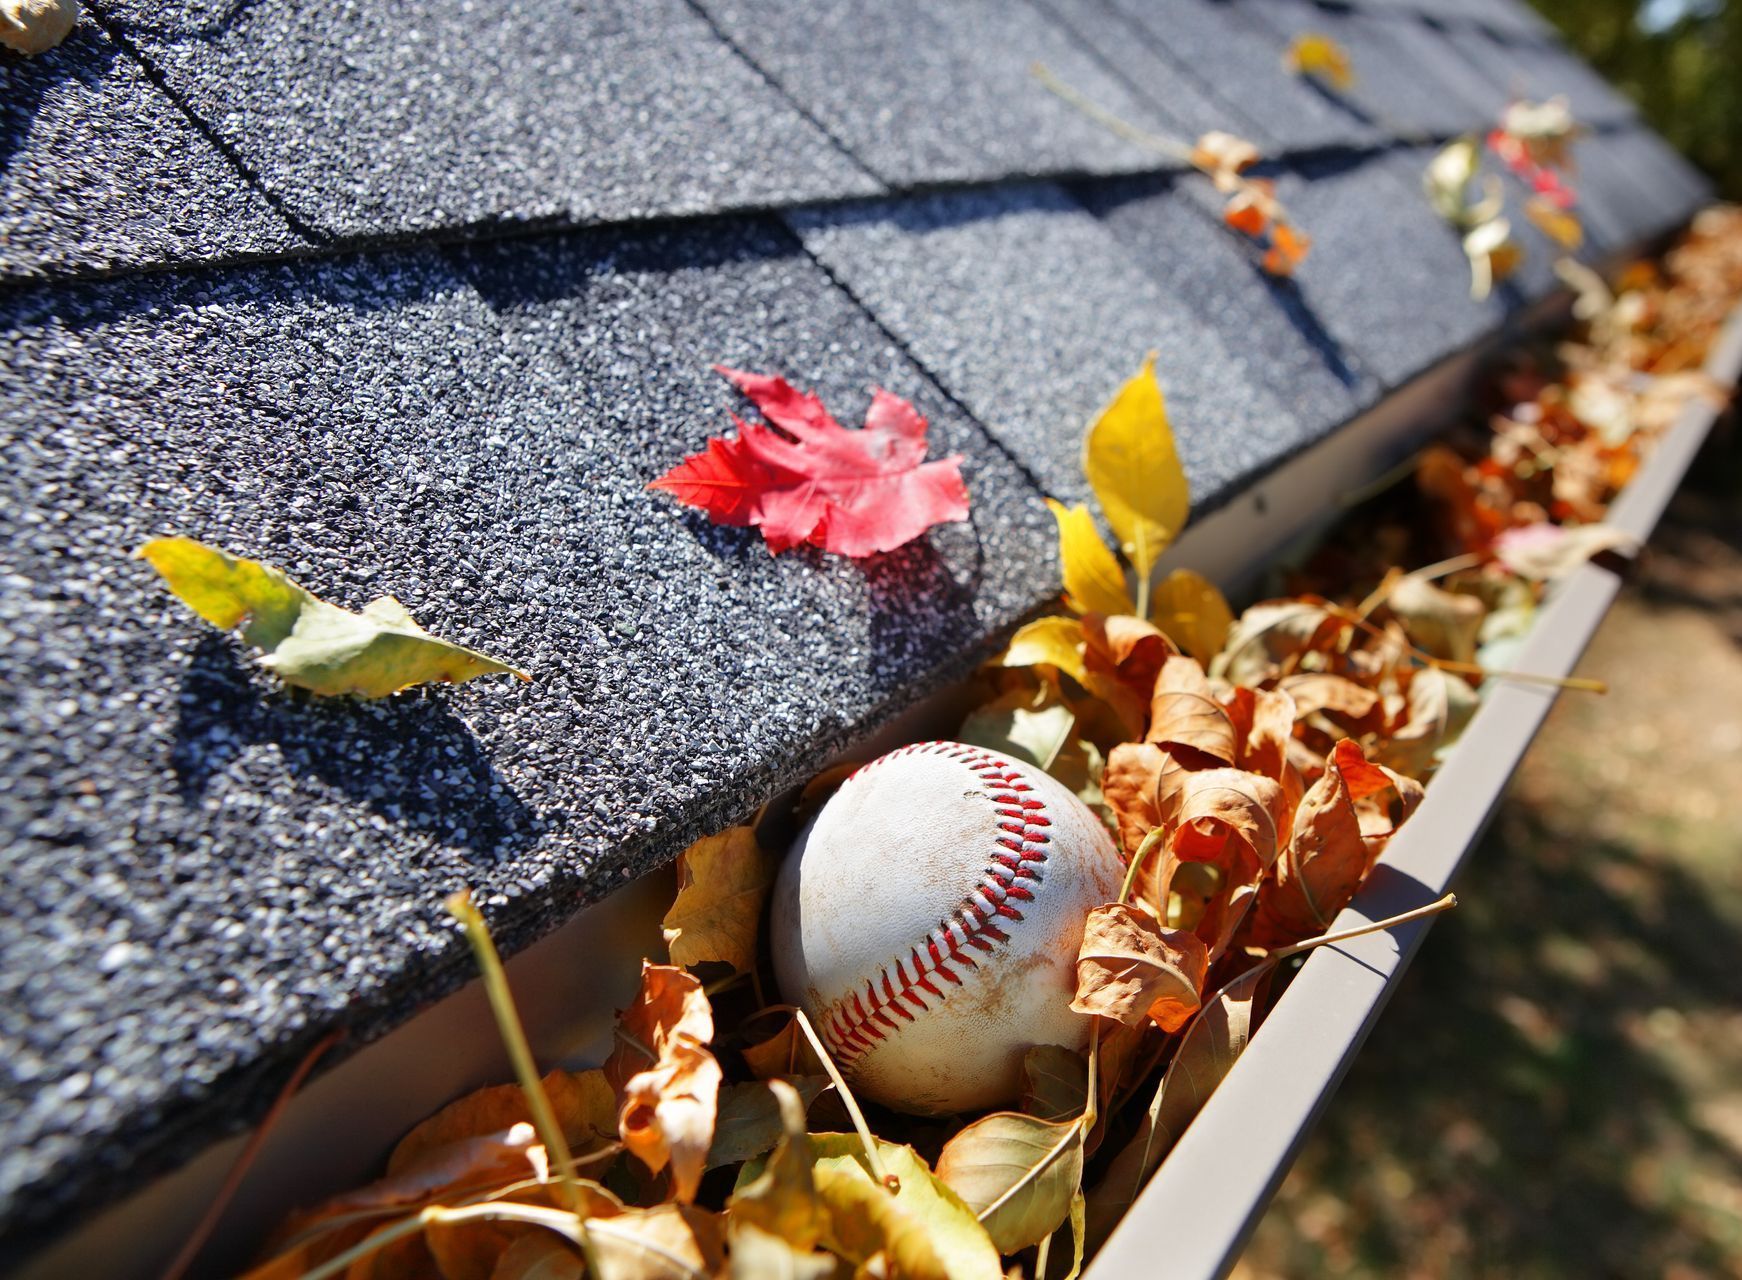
<point x="928" y="921"/>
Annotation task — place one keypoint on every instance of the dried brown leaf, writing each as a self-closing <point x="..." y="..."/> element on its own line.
<point x="723" y="881"/>
<point x="1129" y="967"/>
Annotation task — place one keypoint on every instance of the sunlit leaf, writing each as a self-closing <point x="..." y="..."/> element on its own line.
<point x="307" y="642"/>
<point x="1131" y="462"/>
<point x="1129" y="967"/>
<point x="667" y="1082"/>
<point x="1093" y="579"/>
<point x="1184" y="714"/>
<point x="666" y="1242"/>
<point x="723" y="881"/>
<point x="1312" y="53"/>
<point x="782" y="1196"/>
<point x="1053" y="641"/>
<point x="1017" y="1173"/>
<point x="924" y="1229"/>
<point x="1022" y="724"/>
<point x="1192" y="612"/>
<point x="1440" y="622"/>
<point x="1269" y="634"/>
<point x="36" y="26"/>
<point x="583" y="1103"/>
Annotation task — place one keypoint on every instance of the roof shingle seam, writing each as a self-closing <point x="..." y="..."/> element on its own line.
<point x="786" y="96"/>
<point x="244" y="170"/>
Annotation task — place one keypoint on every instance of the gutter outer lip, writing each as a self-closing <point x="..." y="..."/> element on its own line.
<point x="1204" y="1202"/>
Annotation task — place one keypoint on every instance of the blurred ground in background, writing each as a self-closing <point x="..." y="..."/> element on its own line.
<point x="1556" y="1089"/>
<point x="1680" y="60"/>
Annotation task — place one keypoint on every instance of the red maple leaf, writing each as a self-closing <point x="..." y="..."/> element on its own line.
<point x="809" y="479"/>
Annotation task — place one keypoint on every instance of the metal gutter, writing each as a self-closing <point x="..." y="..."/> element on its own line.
<point x="1195" y="1216"/>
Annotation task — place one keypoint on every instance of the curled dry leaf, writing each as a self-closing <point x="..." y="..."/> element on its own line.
<point x="36" y="26"/>
<point x="781" y="1198"/>
<point x="307" y="642"/>
<point x="1329" y="854"/>
<point x="1543" y="552"/>
<point x="1440" y="622"/>
<point x="450" y="1171"/>
<point x="1185" y="718"/>
<point x="924" y="1229"/>
<point x="1437" y="707"/>
<point x="1269" y="635"/>
<point x="786" y="1053"/>
<point x="1122" y="656"/>
<point x="584" y="1105"/>
<point x="539" y="1255"/>
<point x="1224" y="157"/>
<point x="666" y="1242"/>
<point x="806" y="478"/>
<point x="1226" y="824"/>
<point x="722" y="883"/>
<point x="1129" y="967"/>
<point x="757" y="1255"/>
<point x="1017" y="1174"/>
<point x="1189" y="609"/>
<point x="1094" y="582"/>
<point x="667" y="1082"/>
<point x="1134" y="468"/>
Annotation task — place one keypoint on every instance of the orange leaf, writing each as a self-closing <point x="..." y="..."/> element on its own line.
<point x="1182" y="714"/>
<point x="1228" y="820"/>
<point x="668" y="1084"/>
<point x="1129" y="968"/>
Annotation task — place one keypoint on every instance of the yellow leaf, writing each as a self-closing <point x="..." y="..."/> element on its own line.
<point x="723" y="880"/>
<point x="1092" y="574"/>
<point x="666" y="1242"/>
<point x="309" y="643"/>
<point x="1189" y="610"/>
<point x="584" y="1104"/>
<point x="667" y="1082"/>
<point x="1315" y="54"/>
<point x="1056" y="642"/>
<point x="782" y="1198"/>
<point x="1558" y="224"/>
<point x="1017" y="1173"/>
<point x="1132" y="464"/>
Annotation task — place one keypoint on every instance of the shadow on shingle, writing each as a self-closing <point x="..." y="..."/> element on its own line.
<point x="25" y="82"/>
<point x="407" y="758"/>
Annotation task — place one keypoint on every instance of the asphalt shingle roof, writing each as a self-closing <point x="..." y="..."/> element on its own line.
<point x="417" y="299"/>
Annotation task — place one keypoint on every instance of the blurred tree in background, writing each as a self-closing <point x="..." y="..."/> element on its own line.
<point x="1680" y="60"/>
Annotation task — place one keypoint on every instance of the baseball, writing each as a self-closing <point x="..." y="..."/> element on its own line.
<point x="928" y="921"/>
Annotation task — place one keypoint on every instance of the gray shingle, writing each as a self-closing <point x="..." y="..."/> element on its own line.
<point x="100" y="172"/>
<point x="924" y="92"/>
<point x="1027" y="310"/>
<point x="373" y="120"/>
<point x="1385" y="273"/>
<point x="1124" y="46"/>
<point x="1536" y="70"/>
<point x="1172" y="238"/>
<point x="207" y="870"/>
<point x="1477" y="94"/>
<point x="1397" y="89"/>
<point x="1239" y="58"/>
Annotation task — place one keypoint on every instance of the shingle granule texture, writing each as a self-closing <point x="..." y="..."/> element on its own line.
<point x="1190" y="255"/>
<point x="215" y="868"/>
<point x="957" y="279"/>
<point x="99" y="171"/>
<point x="379" y="120"/>
<point x="327" y="284"/>
<point x="925" y="92"/>
<point x="1238" y="58"/>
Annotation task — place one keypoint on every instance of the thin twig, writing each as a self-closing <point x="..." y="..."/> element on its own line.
<point x="888" y="1181"/>
<point x="1101" y="116"/>
<point x="208" y="1222"/>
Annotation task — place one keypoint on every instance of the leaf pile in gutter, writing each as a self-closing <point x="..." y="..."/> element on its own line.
<point x="1253" y="768"/>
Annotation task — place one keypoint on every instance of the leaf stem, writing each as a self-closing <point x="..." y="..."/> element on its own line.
<point x="1105" y="118"/>
<point x="1150" y="841"/>
<point x="1580" y="683"/>
<point x="1443" y="903"/>
<point x="463" y="909"/>
<point x="888" y="1181"/>
<point x="566" y="1224"/>
<point x="1040" y="1255"/>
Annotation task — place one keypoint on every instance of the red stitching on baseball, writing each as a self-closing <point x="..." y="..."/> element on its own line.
<point x="851" y="1026"/>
